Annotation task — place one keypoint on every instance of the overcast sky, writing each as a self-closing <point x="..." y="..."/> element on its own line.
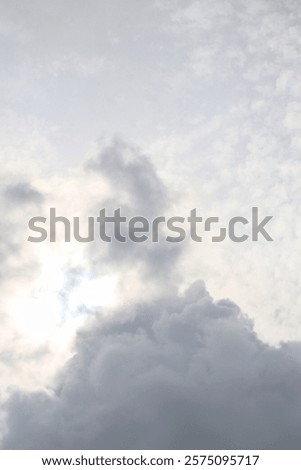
<point x="157" y="107"/>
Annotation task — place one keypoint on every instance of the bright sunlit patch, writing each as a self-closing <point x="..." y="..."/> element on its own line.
<point x="45" y="308"/>
<point x="36" y="316"/>
<point x="99" y="292"/>
<point x="36" y="308"/>
<point x="41" y="314"/>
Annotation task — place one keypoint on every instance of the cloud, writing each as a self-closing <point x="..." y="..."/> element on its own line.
<point x="46" y="288"/>
<point x="136" y="188"/>
<point x="179" y="373"/>
<point x="210" y="90"/>
<point x="131" y="175"/>
<point x="22" y="193"/>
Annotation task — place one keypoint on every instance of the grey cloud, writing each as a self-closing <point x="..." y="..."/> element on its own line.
<point x="138" y="191"/>
<point x="179" y="373"/>
<point x="22" y="193"/>
<point x="17" y="196"/>
<point x="129" y="170"/>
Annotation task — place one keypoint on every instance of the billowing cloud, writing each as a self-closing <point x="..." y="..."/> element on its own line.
<point x="179" y="373"/>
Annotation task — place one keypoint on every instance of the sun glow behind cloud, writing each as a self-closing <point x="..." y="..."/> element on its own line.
<point x="95" y="292"/>
<point x="44" y="311"/>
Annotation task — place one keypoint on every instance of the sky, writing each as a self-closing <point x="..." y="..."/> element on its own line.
<point x="156" y="107"/>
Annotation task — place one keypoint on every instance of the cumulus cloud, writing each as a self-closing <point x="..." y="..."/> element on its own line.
<point x="179" y="373"/>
